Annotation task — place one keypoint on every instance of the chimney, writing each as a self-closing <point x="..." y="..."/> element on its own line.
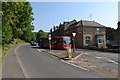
<point x="51" y="30"/>
<point x="82" y="22"/>
<point x="54" y="28"/>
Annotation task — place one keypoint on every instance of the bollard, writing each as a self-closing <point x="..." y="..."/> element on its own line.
<point x="69" y="53"/>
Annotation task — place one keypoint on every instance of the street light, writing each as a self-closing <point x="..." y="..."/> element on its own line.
<point x="74" y="34"/>
<point x="49" y="37"/>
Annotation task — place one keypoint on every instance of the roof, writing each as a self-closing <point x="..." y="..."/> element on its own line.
<point x="85" y="24"/>
<point x="73" y="25"/>
<point x="90" y="23"/>
<point x="70" y="23"/>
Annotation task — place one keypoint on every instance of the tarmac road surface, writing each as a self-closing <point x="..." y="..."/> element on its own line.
<point x="24" y="61"/>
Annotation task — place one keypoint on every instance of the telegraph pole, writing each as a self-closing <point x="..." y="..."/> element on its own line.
<point x="91" y="15"/>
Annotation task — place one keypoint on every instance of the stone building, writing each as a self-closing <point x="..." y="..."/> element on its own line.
<point x="60" y="30"/>
<point x="89" y="33"/>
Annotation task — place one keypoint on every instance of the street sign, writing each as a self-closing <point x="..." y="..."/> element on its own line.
<point x="49" y="38"/>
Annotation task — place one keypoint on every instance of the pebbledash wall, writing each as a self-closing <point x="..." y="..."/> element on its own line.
<point x="89" y="33"/>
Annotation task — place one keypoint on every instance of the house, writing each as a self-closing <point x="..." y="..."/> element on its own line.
<point x="88" y="33"/>
<point x="60" y="30"/>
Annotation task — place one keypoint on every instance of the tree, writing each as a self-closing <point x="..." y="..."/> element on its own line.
<point x="6" y="27"/>
<point x="0" y="15"/>
<point x="28" y="36"/>
<point x="110" y="33"/>
<point x="40" y="33"/>
<point x="17" y="21"/>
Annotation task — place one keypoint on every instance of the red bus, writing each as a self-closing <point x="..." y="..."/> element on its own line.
<point x="61" y="42"/>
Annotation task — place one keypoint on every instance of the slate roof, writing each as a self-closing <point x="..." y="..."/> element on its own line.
<point x="90" y="23"/>
<point x="86" y="24"/>
<point x="73" y="25"/>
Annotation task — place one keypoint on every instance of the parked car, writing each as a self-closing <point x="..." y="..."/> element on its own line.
<point x="33" y="43"/>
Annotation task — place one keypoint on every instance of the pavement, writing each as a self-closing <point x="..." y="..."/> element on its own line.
<point x="11" y="67"/>
<point x="61" y="54"/>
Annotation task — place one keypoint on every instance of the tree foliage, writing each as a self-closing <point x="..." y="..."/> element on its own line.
<point x="41" y="33"/>
<point x="0" y="23"/>
<point x="110" y="33"/>
<point x="17" y="21"/>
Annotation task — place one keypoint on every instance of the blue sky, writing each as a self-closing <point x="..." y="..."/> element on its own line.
<point x="48" y="14"/>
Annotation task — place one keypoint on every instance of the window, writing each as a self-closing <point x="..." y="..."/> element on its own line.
<point x="66" y="40"/>
<point x="100" y="39"/>
<point x="57" y="41"/>
<point x="87" y="40"/>
<point x="97" y="30"/>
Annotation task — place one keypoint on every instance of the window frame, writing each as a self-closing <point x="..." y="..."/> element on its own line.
<point x="100" y="38"/>
<point x="97" y="30"/>
<point x="87" y="40"/>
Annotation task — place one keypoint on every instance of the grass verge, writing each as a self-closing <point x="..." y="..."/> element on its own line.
<point x="5" y="48"/>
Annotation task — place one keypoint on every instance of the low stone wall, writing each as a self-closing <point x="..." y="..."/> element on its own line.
<point x="102" y="49"/>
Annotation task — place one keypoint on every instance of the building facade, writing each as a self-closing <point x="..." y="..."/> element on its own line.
<point x="88" y="33"/>
<point x="60" y="30"/>
<point x="117" y="34"/>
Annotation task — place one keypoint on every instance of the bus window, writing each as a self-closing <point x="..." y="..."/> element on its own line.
<point x="57" y="41"/>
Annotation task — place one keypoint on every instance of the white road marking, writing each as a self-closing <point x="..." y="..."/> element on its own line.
<point x="75" y="65"/>
<point x="39" y="50"/>
<point x="80" y="55"/>
<point x="70" y="63"/>
<point x="107" y="59"/>
<point x="77" y="56"/>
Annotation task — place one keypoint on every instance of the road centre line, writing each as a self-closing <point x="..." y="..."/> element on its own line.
<point x="107" y="59"/>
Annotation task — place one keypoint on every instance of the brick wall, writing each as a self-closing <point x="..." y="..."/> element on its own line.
<point x="83" y="32"/>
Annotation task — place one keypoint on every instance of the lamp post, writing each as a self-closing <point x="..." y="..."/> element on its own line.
<point x="49" y="37"/>
<point x="73" y="34"/>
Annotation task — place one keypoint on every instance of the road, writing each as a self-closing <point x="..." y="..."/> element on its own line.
<point x="24" y="61"/>
<point x="105" y="63"/>
<point x="109" y="55"/>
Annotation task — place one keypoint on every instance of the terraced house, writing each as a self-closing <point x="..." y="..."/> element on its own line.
<point x="89" y="33"/>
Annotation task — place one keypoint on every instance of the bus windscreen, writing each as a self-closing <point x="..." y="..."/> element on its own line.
<point x="66" y="40"/>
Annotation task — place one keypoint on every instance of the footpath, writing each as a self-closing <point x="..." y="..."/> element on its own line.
<point x="61" y="54"/>
<point x="11" y="67"/>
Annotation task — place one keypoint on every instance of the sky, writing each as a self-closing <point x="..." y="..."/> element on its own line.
<point x="119" y="11"/>
<point x="49" y="14"/>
